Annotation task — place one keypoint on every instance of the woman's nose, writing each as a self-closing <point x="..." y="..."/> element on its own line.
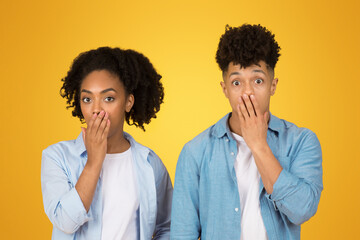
<point x="97" y="107"/>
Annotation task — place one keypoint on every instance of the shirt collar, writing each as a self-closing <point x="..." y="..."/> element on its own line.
<point x="80" y="145"/>
<point x="275" y="124"/>
<point x="131" y="140"/>
<point x="222" y="127"/>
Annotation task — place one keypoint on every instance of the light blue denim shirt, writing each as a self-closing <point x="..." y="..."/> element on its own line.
<point x="206" y="200"/>
<point x="61" y="166"/>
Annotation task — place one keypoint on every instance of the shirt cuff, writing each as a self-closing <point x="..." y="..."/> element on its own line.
<point x="284" y="185"/>
<point x="74" y="207"/>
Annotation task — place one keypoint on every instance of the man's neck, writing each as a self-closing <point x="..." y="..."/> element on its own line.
<point x="234" y="124"/>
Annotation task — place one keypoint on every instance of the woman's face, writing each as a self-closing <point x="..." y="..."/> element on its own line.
<point x="103" y="91"/>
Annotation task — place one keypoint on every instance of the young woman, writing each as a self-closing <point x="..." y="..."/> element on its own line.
<point x="105" y="185"/>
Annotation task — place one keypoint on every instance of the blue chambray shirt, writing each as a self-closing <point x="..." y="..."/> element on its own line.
<point x="61" y="166"/>
<point x="206" y="200"/>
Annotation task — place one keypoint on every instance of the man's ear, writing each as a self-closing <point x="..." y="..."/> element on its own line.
<point x="129" y="102"/>
<point x="273" y="86"/>
<point x="223" y="86"/>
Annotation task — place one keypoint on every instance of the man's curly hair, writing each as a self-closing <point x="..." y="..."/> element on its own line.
<point x="247" y="45"/>
<point x="133" y="69"/>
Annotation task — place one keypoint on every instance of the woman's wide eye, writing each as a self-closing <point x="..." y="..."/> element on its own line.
<point x="259" y="81"/>
<point x="236" y="83"/>
<point x="109" y="99"/>
<point x="86" y="100"/>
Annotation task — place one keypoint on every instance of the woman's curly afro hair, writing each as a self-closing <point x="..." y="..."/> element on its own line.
<point x="247" y="45"/>
<point x="133" y="69"/>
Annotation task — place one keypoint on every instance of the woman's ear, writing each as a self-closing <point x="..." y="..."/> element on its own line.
<point x="129" y="102"/>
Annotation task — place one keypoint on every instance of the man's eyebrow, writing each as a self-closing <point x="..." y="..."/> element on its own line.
<point x="259" y="71"/>
<point x="103" y="91"/>
<point x="234" y="73"/>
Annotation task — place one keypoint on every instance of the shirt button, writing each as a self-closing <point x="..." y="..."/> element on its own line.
<point x="232" y="153"/>
<point x="236" y="209"/>
<point x="226" y="139"/>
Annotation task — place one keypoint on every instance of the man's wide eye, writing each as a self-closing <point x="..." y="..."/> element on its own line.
<point x="236" y="83"/>
<point x="259" y="81"/>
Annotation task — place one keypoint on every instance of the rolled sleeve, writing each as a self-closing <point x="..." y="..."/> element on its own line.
<point x="284" y="186"/>
<point x="74" y="207"/>
<point x="296" y="193"/>
<point x="62" y="202"/>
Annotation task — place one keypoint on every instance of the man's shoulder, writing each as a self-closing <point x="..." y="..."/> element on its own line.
<point x="294" y="138"/>
<point x="289" y="128"/>
<point x="208" y="136"/>
<point x="202" y="138"/>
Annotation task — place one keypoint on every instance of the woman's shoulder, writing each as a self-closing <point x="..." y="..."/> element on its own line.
<point x="145" y="154"/>
<point x="63" y="148"/>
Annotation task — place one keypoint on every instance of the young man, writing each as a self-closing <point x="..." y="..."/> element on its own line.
<point x="251" y="175"/>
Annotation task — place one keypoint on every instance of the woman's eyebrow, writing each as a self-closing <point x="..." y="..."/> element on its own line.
<point x="84" y="90"/>
<point x="103" y="91"/>
<point x="108" y="90"/>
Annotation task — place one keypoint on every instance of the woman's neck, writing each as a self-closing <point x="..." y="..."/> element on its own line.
<point x="117" y="143"/>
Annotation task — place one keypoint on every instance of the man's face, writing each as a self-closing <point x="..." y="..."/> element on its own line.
<point x="256" y="80"/>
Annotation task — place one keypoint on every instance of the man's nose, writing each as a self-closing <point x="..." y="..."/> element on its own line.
<point x="248" y="89"/>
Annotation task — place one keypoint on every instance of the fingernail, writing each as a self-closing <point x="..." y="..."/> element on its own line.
<point x="252" y="96"/>
<point x="245" y="96"/>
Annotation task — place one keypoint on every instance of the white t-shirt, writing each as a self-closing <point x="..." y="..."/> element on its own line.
<point x="120" y="219"/>
<point x="248" y="179"/>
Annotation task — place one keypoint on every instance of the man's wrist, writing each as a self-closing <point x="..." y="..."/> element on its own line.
<point x="260" y="148"/>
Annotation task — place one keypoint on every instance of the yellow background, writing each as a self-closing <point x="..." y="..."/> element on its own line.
<point x="318" y="88"/>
